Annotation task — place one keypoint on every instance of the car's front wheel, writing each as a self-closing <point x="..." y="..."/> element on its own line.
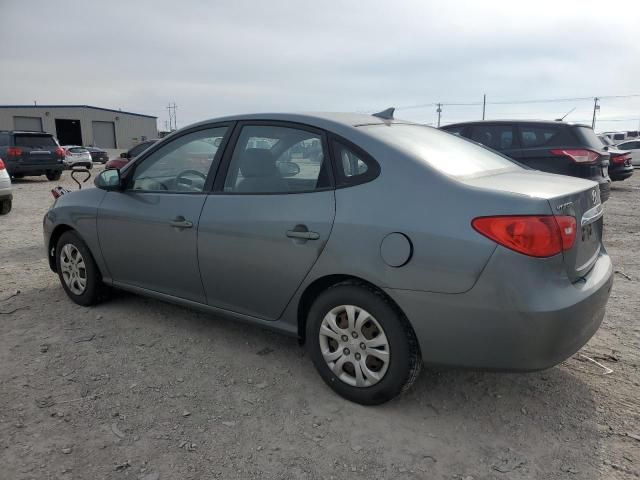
<point x="77" y="270"/>
<point x="51" y="175"/>
<point x="362" y="346"/>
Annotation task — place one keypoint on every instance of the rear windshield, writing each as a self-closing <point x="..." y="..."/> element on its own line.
<point x="35" y="141"/>
<point x="449" y="154"/>
<point x="588" y="137"/>
<point x="78" y="150"/>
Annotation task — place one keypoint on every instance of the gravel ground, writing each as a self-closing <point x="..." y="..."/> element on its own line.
<point x="135" y="388"/>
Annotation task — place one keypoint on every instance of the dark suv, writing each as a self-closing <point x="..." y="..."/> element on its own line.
<point x="556" y="147"/>
<point x="31" y="154"/>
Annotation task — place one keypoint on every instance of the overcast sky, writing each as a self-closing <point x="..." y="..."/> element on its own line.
<point x="215" y="58"/>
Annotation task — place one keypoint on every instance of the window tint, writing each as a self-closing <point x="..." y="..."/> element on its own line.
<point x="587" y="137"/>
<point x="35" y="141"/>
<point x="537" y="136"/>
<point x="353" y="167"/>
<point x="274" y="159"/>
<point x="138" y="149"/>
<point x="4" y="139"/>
<point x="77" y="150"/>
<point x="498" y="137"/>
<point x="446" y="153"/>
<point x="454" y="130"/>
<point x="182" y="165"/>
<point x="629" y="146"/>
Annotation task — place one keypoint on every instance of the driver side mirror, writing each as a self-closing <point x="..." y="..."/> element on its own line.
<point x="109" y="180"/>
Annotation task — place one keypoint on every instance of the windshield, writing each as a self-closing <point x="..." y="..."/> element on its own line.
<point x="447" y="153"/>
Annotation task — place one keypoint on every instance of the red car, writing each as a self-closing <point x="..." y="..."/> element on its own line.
<point x="125" y="157"/>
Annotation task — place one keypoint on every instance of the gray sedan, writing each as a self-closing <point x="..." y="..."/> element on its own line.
<point x="379" y="243"/>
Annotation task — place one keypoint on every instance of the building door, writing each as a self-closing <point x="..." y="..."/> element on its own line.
<point x="28" y="124"/>
<point x="68" y="131"/>
<point x="104" y="134"/>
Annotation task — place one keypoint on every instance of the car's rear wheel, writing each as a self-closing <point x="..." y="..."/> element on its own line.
<point x="5" y="206"/>
<point x="51" y="175"/>
<point x="362" y="346"/>
<point x="77" y="270"/>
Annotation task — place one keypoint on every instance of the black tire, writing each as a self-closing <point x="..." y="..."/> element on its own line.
<point x="94" y="290"/>
<point x="404" y="353"/>
<point x="5" y="206"/>
<point x="17" y="175"/>
<point x="51" y="175"/>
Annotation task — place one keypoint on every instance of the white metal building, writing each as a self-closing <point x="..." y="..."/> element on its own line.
<point x="81" y="124"/>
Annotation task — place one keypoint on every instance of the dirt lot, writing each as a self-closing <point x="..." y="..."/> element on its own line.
<point x="136" y="388"/>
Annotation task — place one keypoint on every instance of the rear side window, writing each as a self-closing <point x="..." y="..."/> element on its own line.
<point x="449" y="154"/>
<point x="498" y="137"/>
<point x="353" y="166"/>
<point x="454" y="130"/>
<point x="629" y="146"/>
<point x="4" y="139"/>
<point x="537" y="136"/>
<point x="587" y="137"/>
<point x="34" y="141"/>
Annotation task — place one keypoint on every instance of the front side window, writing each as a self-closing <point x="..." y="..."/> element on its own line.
<point x="138" y="149"/>
<point x="449" y="154"/>
<point x="276" y="159"/>
<point x="182" y="165"/>
<point x="498" y="137"/>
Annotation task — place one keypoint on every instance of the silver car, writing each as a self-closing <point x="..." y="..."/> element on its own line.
<point x="379" y="243"/>
<point x="6" y="195"/>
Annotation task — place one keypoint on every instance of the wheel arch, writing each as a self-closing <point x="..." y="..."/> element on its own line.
<point x="321" y="284"/>
<point x="53" y="241"/>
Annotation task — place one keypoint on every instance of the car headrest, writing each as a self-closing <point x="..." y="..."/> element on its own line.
<point x="258" y="162"/>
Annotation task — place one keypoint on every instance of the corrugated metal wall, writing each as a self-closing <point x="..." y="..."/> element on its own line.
<point x="130" y="129"/>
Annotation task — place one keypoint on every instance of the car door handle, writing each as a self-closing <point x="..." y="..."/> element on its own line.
<point x="180" y="222"/>
<point x="304" y="235"/>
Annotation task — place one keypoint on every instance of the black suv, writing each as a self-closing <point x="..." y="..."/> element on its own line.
<point x="31" y="154"/>
<point x="556" y="147"/>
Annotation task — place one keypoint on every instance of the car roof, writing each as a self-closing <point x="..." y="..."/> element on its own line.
<point x="318" y="119"/>
<point x="30" y="132"/>
<point x="516" y="122"/>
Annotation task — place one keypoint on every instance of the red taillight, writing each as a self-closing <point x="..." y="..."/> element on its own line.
<point x="14" y="151"/>
<point x="533" y="235"/>
<point x="620" y="159"/>
<point x="1" y="164"/>
<point x="60" y="152"/>
<point x="577" y="155"/>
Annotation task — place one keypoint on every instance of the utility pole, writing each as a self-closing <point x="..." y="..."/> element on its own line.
<point x="439" y="110"/>
<point x="484" y="104"/>
<point x="173" y="122"/>
<point x="596" y="107"/>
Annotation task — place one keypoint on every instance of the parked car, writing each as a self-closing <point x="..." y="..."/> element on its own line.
<point x="633" y="147"/>
<point x="616" y="136"/>
<point x="555" y="147"/>
<point x="633" y="134"/>
<point x="77" y="156"/>
<point x="402" y="244"/>
<point x="620" y="167"/>
<point x="98" y="155"/>
<point x="133" y="152"/>
<point x="6" y="196"/>
<point x="31" y="154"/>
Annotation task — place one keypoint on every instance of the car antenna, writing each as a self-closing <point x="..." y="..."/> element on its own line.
<point x="565" y="115"/>
<point x="385" y="114"/>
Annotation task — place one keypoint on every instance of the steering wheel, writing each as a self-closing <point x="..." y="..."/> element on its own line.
<point x="190" y="172"/>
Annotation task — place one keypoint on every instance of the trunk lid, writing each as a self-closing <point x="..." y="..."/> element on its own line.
<point x="566" y="196"/>
<point x="36" y="148"/>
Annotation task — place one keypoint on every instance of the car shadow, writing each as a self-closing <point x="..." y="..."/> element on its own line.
<point x="462" y="422"/>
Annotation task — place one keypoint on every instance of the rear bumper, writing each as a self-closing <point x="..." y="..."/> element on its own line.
<point x="605" y="190"/>
<point x="518" y="316"/>
<point x="34" y="168"/>
<point x="620" y="173"/>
